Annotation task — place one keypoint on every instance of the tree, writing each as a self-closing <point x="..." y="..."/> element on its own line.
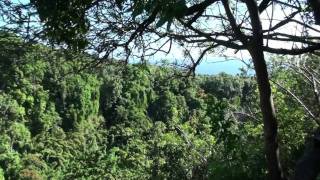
<point x="298" y="78"/>
<point x="117" y="28"/>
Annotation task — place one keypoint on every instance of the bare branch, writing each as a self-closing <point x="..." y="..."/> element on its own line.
<point x="299" y="101"/>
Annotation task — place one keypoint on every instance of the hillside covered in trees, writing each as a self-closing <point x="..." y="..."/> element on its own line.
<point x="59" y="120"/>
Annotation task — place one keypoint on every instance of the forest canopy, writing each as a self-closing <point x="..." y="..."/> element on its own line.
<point x="136" y="121"/>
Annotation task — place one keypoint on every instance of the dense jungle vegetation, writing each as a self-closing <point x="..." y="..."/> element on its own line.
<point x="59" y="121"/>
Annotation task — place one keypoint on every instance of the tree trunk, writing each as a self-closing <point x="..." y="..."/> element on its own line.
<point x="268" y="113"/>
<point x="270" y="128"/>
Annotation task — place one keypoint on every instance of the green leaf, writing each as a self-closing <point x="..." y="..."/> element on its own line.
<point x="119" y="3"/>
<point x="138" y="9"/>
<point x="162" y="21"/>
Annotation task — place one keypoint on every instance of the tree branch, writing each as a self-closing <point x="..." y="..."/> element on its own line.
<point x="299" y="101"/>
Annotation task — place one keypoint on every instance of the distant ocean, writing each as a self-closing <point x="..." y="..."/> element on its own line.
<point x="219" y="65"/>
<point x="209" y="66"/>
<point x="212" y="66"/>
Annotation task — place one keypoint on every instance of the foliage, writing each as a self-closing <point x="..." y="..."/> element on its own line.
<point x="133" y="122"/>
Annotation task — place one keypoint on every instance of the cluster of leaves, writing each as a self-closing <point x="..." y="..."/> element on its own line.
<point x="133" y="122"/>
